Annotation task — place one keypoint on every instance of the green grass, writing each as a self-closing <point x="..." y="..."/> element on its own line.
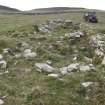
<point x="10" y="22"/>
<point x="23" y="85"/>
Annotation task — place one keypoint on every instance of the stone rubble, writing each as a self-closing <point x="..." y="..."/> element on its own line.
<point x="50" y="25"/>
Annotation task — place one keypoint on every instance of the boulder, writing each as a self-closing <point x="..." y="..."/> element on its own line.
<point x="44" y="67"/>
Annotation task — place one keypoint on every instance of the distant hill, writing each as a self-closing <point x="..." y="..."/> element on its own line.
<point x="8" y="9"/>
<point x="55" y="10"/>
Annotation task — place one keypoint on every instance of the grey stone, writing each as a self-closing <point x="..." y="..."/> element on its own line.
<point x="73" y="66"/>
<point x="3" y="64"/>
<point x="53" y="75"/>
<point x="87" y="84"/>
<point x="74" y="35"/>
<point x="29" y="55"/>
<point x="44" y="67"/>
<point x="64" y="70"/>
<point x="1" y="56"/>
<point x="103" y="61"/>
<point x="1" y="102"/>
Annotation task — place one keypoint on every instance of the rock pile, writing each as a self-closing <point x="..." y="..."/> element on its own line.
<point x="50" y="25"/>
<point x="74" y="35"/>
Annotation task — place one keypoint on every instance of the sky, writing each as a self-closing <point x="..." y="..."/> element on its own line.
<point x="33" y="4"/>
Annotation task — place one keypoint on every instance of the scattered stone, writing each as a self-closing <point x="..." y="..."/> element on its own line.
<point x="6" y="72"/>
<point x="96" y="41"/>
<point x="87" y="84"/>
<point x="84" y="68"/>
<point x="50" y="25"/>
<point x="73" y="67"/>
<point x="64" y="70"/>
<point x="98" y="52"/>
<point x="1" y="57"/>
<point x="8" y="51"/>
<point x="88" y="60"/>
<point x="26" y="51"/>
<point x="74" y="35"/>
<point x="18" y="55"/>
<point x="25" y="45"/>
<point x="44" y="67"/>
<point x="103" y="61"/>
<point x="29" y="55"/>
<point x="49" y="62"/>
<point x="53" y="75"/>
<point x="3" y="64"/>
<point x="1" y="102"/>
<point x="69" y="68"/>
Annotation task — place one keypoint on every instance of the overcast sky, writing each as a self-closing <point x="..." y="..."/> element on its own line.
<point x="32" y="4"/>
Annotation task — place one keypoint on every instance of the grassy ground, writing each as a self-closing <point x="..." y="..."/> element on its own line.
<point x="12" y="22"/>
<point x="23" y="85"/>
